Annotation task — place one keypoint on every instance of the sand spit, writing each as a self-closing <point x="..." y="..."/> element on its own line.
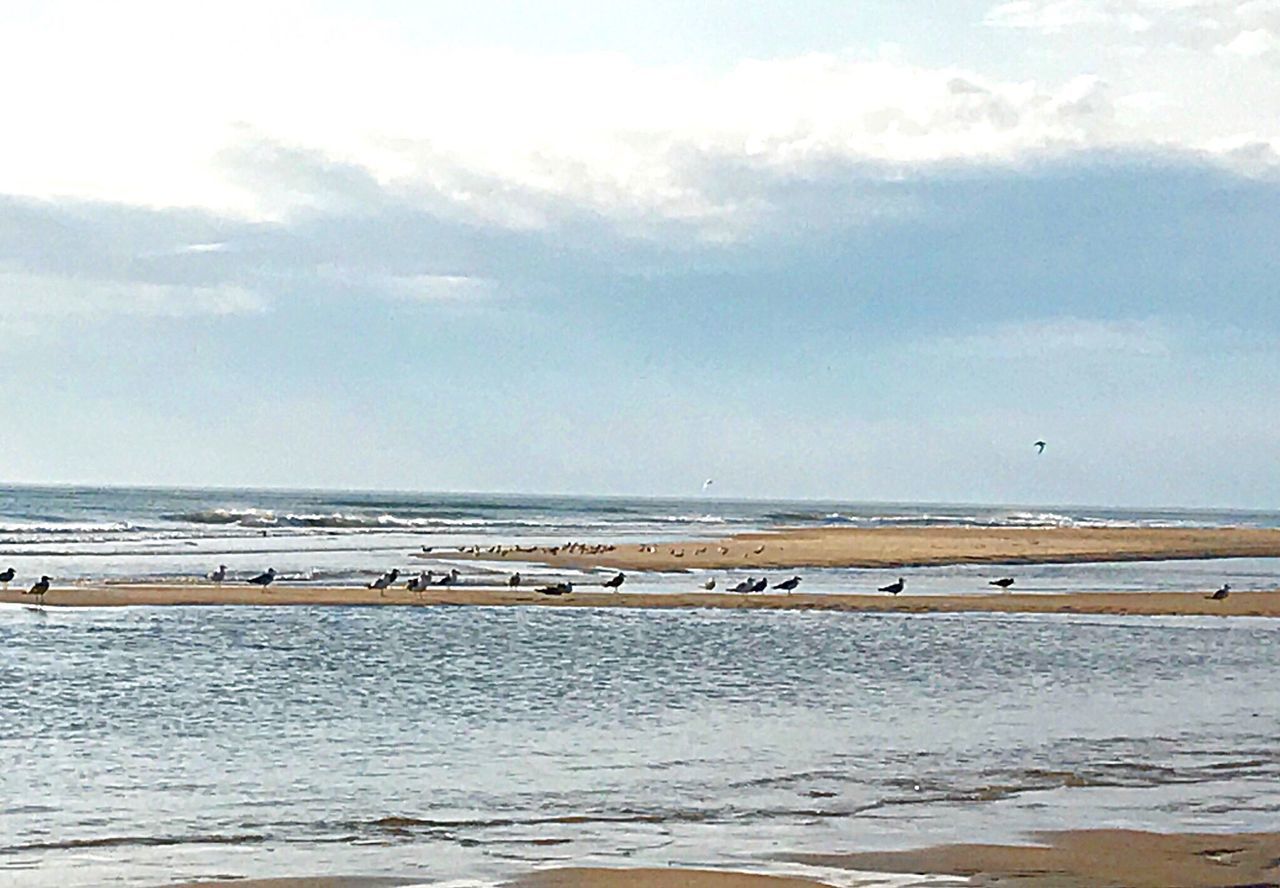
<point x="1103" y="858"/>
<point x="1252" y="604"/>
<point x="893" y="547"/>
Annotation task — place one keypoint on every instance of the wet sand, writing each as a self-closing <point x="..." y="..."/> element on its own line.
<point x="1252" y="604"/>
<point x="893" y="547"/>
<point x="599" y="877"/>
<point x="1112" y="858"/>
<point x="1093" y="858"/>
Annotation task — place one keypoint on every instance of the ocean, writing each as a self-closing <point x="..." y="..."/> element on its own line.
<point x="465" y="745"/>
<point x="336" y="537"/>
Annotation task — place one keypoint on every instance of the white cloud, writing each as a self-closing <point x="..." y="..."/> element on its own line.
<point x="29" y="302"/>
<point x="143" y="107"/>
<point x="1060" y="337"/>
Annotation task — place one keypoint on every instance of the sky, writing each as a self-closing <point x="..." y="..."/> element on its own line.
<point x="846" y="250"/>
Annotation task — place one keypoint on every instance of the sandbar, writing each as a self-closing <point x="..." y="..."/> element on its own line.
<point x="894" y="547"/>
<point x="1250" y="604"/>
<point x="1100" y="858"/>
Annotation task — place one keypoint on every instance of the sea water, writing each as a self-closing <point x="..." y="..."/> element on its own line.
<point x="147" y="745"/>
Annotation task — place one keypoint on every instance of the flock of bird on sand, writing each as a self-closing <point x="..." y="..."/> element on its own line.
<point x="426" y="579"/>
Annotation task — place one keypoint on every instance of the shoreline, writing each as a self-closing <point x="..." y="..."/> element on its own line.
<point x="1239" y="604"/>
<point x="894" y="547"/>
<point x="1087" y="858"/>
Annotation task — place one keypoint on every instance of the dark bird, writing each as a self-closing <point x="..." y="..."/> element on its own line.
<point x="745" y="586"/>
<point x="382" y="582"/>
<point x="448" y="579"/>
<point x="709" y="584"/>
<point x="894" y="588"/>
<point x="1220" y="594"/>
<point x="7" y="577"/>
<point x="39" y="589"/>
<point x="788" y="586"/>
<point x="263" y="579"/>
<point x="219" y="575"/>
<point x="1039" y="446"/>
<point x="1003" y="582"/>
<point x="557" y="589"/>
<point x="760" y="585"/>
<point x="615" y="583"/>
<point x="514" y="581"/>
<point x="420" y="582"/>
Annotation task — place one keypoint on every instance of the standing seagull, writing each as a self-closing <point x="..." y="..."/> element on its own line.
<point x="39" y="589"/>
<point x="219" y="575"/>
<point x="1003" y="582"/>
<point x="616" y="583"/>
<point x="1221" y="593"/>
<point x="7" y="577"/>
<point x="760" y="585"/>
<point x="788" y="586"/>
<point x="1039" y="446"/>
<point x="514" y="582"/>
<point x="894" y="588"/>
<point x="263" y="579"/>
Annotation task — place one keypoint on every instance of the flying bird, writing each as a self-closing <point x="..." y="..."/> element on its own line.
<point x="219" y="575"/>
<point x="616" y="583"/>
<point x="1221" y="593"/>
<point x="708" y="483"/>
<point x="7" y="577"/>
<point x="263" y="579"/>
<point x="788" y="586"/>
<point x="894" y="588"/>
<point x="1003" y="582"/>
<point x="39" y="589"/>
<point x="1039" y="446"/>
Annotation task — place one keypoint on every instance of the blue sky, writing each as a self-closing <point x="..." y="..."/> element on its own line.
<point x="823" y="250"/>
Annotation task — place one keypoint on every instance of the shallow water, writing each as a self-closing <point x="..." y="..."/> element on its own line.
<point x="143" y="745"/>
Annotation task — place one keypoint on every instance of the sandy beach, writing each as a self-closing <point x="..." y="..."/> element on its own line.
<point x="1093" y="858"/>
<point x="892" y="547"/>
<point x="1073" y="859"/>
<point x="1250" y="604"/>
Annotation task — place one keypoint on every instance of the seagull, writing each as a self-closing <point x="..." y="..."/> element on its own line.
<point x="420" y="582"/>
<point x="709" y="584"/>
<point x="39" y="589"/>
<point x="557" y="589"/>
<point x="7" y="577"/>
<point x="1039" y="446"/>
<point x="218" y="575"/>
<point x="708" y="483"/>
<point x="761" y="585"/>
<point x="1221" y="593"/>
<point x="788" y="586"/>
<point x="745" y="586"/>
<point x="386" y="579"/>
<point x="263" y="579"/>
<point x="514" y="581"/>
<point x="448" y="579"/>
<point x="1003" y="582"/>
<point x="894" y="588"/>
<point x="616" y="583"/>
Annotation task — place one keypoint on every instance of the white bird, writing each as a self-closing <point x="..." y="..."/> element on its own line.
<point x="708" y="483"/>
